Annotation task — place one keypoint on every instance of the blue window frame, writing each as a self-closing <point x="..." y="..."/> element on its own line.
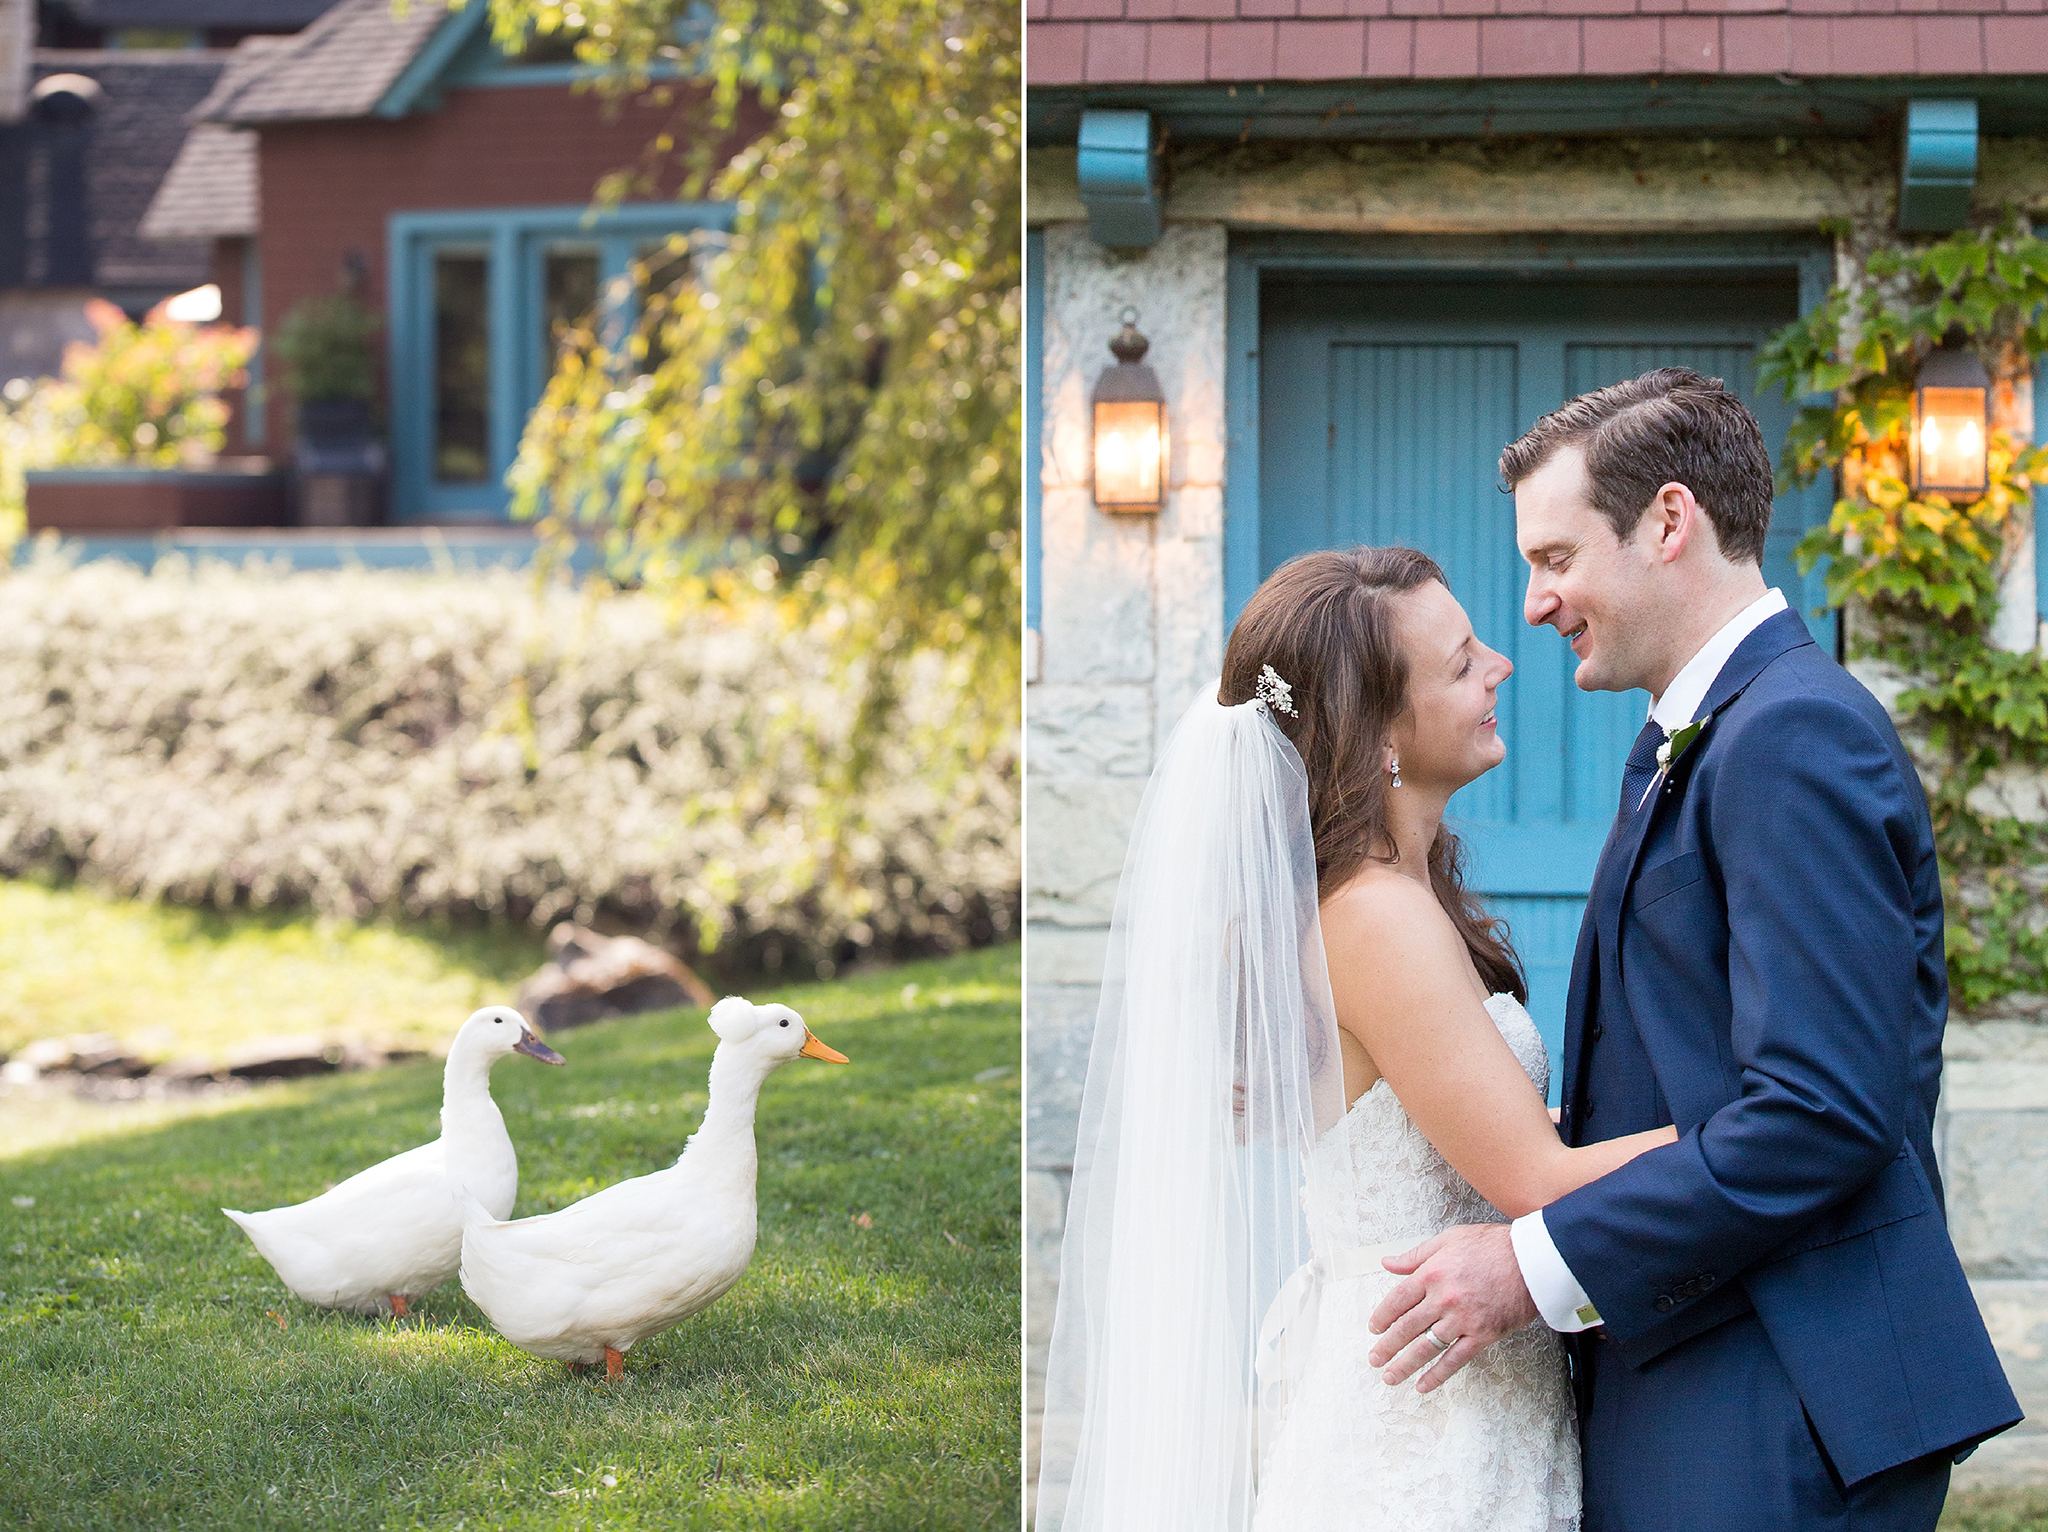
<point x="473" y="294"/>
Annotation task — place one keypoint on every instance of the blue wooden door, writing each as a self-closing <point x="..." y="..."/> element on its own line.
<point x="1383" y="409"/>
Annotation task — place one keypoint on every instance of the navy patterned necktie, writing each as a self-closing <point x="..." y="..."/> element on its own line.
<point x="1642" y="765"/>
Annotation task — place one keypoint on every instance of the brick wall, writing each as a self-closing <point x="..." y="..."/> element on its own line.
<point x="226" y="272"/>
<point x="328" y="188"/>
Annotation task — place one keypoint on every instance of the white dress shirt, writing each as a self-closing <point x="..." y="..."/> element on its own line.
<point x="1558" y="1296"/>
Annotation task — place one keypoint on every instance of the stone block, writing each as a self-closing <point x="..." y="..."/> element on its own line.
<point x="2016" y="1314"/>
<point x="1089" y="731"/>
<point x="1190" y="587"/>
<point x="2012" y="791"/>
<point x="2000" y="1039"/>
<point x="1056" y="1059"/>
<point x="1969" y="1086"/>
<point x="1195" y="511"/>
<point x="1631" y="185"/>
<point x="1996" y="1168"/>
<point x="1096" y="588"/>
<point x="1079" y="831"/>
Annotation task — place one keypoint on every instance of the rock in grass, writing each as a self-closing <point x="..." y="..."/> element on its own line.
<point x="590" y="977"/>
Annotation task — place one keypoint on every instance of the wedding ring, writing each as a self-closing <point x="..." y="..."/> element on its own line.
<point x="1438" y="1341"/>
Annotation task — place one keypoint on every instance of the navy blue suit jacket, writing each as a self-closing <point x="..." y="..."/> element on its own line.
<point x="1766" y="933"/>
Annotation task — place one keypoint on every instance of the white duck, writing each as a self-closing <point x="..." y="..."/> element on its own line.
<point x="632" y="1260"/>
<point x="391" y="1234"/>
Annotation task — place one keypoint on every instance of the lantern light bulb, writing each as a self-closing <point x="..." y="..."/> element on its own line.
<point x="1930" y="436"/>
<point x="1970" y="439"/>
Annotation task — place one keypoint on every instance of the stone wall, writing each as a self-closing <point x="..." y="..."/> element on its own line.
<point x="1132" y="626"/>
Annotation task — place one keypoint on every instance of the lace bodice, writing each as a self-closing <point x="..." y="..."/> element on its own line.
<point x="1375" y="1177"/>
<point x="1496" y="1447"/>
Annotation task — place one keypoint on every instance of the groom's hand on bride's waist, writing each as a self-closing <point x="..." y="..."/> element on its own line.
<point x="1464" y="1287"/>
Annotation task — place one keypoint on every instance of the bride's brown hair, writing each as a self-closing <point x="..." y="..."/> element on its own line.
<point x="1325" y="622"/>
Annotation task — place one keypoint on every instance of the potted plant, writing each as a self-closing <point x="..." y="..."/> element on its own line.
<point x="324" y="346"/>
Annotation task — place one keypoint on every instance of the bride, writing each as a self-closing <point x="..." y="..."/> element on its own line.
<point x="1311" y="1056"/>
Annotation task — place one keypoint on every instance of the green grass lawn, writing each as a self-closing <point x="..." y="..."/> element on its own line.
<point x="171" y="982"/>
<point x="864" y="1374"/>
<point x="1999" y="1510"/>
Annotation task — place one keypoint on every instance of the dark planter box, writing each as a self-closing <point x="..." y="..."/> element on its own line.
<point x="232" y="493"/>
<point x="340" y="463"/>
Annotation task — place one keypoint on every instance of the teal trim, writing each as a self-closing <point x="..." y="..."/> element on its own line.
<point x="1034" y="424"/>
<point x="1252" y="257"/>
<point x="479" y="63"/>
<point x="416" y="550"/>
<point x="2009" y="105"/>
<point x="1937" y="166"/>
<point x="1117" y="171"/>
<point x="195" y="478"/>
<point x="515" y="241"/>
<point x="1241" y="574"/>
<point x="418" y="86"/>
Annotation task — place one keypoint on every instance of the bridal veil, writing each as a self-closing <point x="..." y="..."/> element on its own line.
<point x="1214" y="1069"/>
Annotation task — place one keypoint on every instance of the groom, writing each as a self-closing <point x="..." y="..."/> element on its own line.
<point x="1770" y="1329"/>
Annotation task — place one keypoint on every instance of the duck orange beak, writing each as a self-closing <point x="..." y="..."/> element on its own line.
<point x="813" y="1049"/>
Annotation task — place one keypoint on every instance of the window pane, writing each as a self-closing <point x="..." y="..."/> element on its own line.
<point x="462" y="370"/>
<point x="570" y="278"/>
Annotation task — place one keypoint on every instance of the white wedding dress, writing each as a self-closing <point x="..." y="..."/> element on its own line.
<point x="1496" y="1448"/>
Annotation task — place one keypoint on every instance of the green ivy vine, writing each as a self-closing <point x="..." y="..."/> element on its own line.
<point x="1921" y="573"/>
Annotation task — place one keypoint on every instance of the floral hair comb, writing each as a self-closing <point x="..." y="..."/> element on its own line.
<point x="1276" y="693"/>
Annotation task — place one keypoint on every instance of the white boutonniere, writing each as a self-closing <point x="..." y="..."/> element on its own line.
<point x="1675" y="744"/>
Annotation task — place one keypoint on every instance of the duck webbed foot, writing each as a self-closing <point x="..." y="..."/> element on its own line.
<point x="614" y="1363"/>
<point x="398" y="1304"/>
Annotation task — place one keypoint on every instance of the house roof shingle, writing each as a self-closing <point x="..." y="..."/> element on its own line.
<point x="134" y="134"/>
<point x="1194" y="42"/>
<point x="341" y="66"/>
<point x="210" y="190"/>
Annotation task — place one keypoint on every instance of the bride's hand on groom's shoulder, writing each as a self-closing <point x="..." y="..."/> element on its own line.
<point x="1463" y="1286"/>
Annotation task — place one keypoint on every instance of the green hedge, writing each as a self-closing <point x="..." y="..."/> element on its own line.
<point x="369" y="744"/>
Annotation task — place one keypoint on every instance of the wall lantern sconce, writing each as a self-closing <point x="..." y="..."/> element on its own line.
<point x="1130" y="427"/>
<point x="1951" y="400"/>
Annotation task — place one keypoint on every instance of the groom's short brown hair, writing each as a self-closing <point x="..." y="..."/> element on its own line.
<point x="1671" y="425"/>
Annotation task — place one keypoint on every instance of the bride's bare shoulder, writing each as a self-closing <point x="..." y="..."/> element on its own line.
<point x="1381" y="910"/>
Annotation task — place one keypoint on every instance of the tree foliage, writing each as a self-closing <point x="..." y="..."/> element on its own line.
<point x="836" y="382"/>
<point x="1923" y="571"/>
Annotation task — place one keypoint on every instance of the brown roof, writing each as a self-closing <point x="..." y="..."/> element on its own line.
<point x="1186" y="42"/>
<point x="339" y="67"/>
<point x="210" y="189"/>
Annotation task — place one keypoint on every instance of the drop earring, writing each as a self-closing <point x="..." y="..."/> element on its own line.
<point x="1394" y="766"/>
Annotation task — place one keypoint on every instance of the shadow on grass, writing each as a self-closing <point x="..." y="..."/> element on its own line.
<point x="858" y="1376"/>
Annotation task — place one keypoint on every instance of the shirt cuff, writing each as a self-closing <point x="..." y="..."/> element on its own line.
<point x="1559" y="1298"/>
